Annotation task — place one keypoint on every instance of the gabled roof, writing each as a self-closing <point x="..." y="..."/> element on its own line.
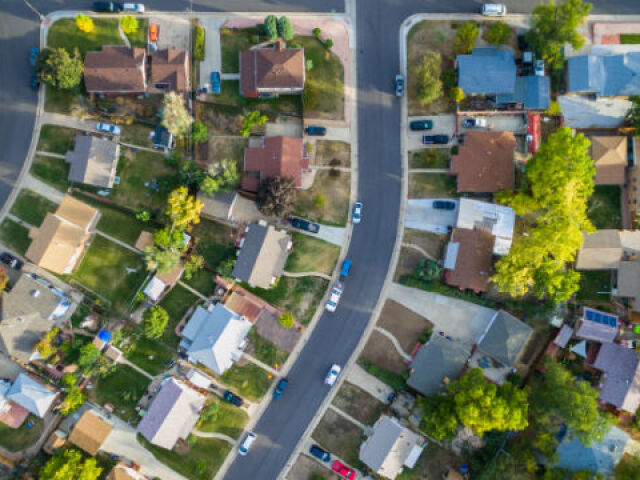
<point x="609" y="156"/>
<point x="31" y="395"/>
<point x="115" y="69"/>
<point x="484" y="162"/>
<point x="277" y="157"/>
<point x="605" y="75"/>
<point x="533" y="91"/>
<point x="621" y="386"/>
<point x="601" y="250"/>
<point x="469" y="259"/>
<point x="172" y="415"/>
<point x="170" y="66"/>
<point x="498" y="219"/>
<point x="563" y="336"/>
<point x="487" y="71"/>
<point x="505" y="338"/>
<point x="215" y="337"/>
<point x="629" y="282"/>
<point x="599" y="457"/>
<point x="90" y="432"/>
<point x="220" y="205"/>
<point x="267" y="69"/>
<point x="93" y="161"/>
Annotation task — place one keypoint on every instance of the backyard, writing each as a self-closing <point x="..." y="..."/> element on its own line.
<point x="359" y="404"/>
<point x="249" y="380"/>
<point x="429" y="158"/>
<point x="327" y="201"/>
<point x="177" y="302"/>
<point x="339" y="436"/>
<point x="431" y="464"/>
<point x="14" y="236"/>
<point x="52" y="171"/>
<point x="214" y="241"/>
<point x="136" y="134"/>
<point x="225" y="148"/>
<point x="55" y="139"/>
<point x="427" y="185"/>
<point x="16" y="439"/>
<point x="333" y="153"/>
<point x="150" y="355"/>
<point x="230" y="420"/>
<point x="123" y="388"/>
<point x="603" y="208"/>
<point x="31" y="207"/>
<point x="595" y="287"/>
<point x="311" y="255"/>
<point x="65" y="33"/>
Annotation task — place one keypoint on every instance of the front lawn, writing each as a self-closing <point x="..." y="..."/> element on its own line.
<point x="327" y="201"/>
<point x="123" y="388"/>
<point x="339" y="436"/>
<point x="14" y="236"/>
<point x="354" y="401"/>
<point x="55" y="139"/>
<point x="138" y="39"/>
<point x="150" y="355"/>
<point x="52" y="171"/>
<point x="16" y="439"/>
<point x="430" y="185"/>
<point x="249" y="381"/>
<point x="214" y="241"/>
<point x="333" y="153"/>
<point x="232" y="42"/>
<point x="64" y="33"/>
<point x="230" y="419"/>
<point x="429" y="158"/>
<point x="31" y="207"/>
<point x="63" y="101"/>
<point x="176" y="303"/>
<point x="310" y="254"/>
<point x="264" y="350"/>
<point x="394" y="380"/>
<point x="603" y="208"/>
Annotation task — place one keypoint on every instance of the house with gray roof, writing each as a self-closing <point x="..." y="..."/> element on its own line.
<point x="599" y="457"/>
<point x="533" y="91"/>
<point x="31" y="395"/>
<point x="215" y="337"/>
<point x="620" y="383"/>
<point x="172" y="414"/>
<point x="93" y="161"/>
<point x="605" y="75"/>
<point x="390" y="448"/>
<point x="597" y="326"/>
<point x="487" y="71"/>
<point x="262" y="256"/>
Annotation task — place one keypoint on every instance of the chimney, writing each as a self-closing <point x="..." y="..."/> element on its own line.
<point x="35" y="293"/>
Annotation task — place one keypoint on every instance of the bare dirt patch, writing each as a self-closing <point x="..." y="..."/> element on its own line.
<point x="224" y="148"/>
<point x="305" y="467"/>
<point x="432" y="243"/>
<point x="358" y="403"/>
<point x="433" y="461"/>
<point x="407" y="262"/>
<point x="327" y="201"/>
<point x="381" y="351"/>
<point x="333" y="153"/>
<point x="338" y="435"/>
<point x="403" y="324"/>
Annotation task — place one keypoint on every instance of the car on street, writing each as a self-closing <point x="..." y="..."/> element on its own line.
<point x="154" y="31"/>
<point x="342" y="470"/>
<point x="11" y="261"/>
<point x="108" y="128"/>
<point x="444" y="205"/>
<point x="332" y="376"/>
<point x="346" y="268"/>
<point x="435" y="139"/>
<point x="33" y="56"/>
<point x="133" y="7"/>
<point x="334" y="297"/>
<point x="538" y="68"/>
<point x="282" y="384"/>
<point x="320" y="453"/>
<point x="416" y="125"/>
<point x="399" y="85"/>
<point x="494" y="10"/>
<point x="244" y="447"/>
<point x="303" y="224"/>
<point x="232" y="398"/>
<point x="357" y="212"/>
<point x="107" y="7"/>
<point x="315" y="131"/>
<point x="34" y="81"/>
<point x="215" y="82"/>
<point x="475" y="122"/>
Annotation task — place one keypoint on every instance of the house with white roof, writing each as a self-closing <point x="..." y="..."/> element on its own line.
<point x="499" y="220"/>
<point x="31" y="395"/>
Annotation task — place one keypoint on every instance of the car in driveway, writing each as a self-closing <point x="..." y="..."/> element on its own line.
<point x="357" y="213"/>
<point x="108" y="128"/>
<point x="244" y="447"/>
<point x="342" y="470"/>
<point x="435" y="139"/>
<point x="399" y="85"/>
<point x="154" y="31"/>
<point x="11" y="261"/>
<point x="107" y="7"/>
<point x="282" y="385"/>
<point x="417" y="125"/>
<point x="320" y="453"/>
<point x="444" y="205"/>
<point x="315" y="131"/>
<point x="303" y="224"/>
<point x="474" y="122"/>
<point x="232" y="398"/>
<point x="33" y="56"/>
<point x="215" y="82"/>
<point x="332" y="375"/>
<point x="334" y="297"/>
<point x="133" y="7"/>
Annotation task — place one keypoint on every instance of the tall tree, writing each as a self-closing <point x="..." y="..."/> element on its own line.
<point x="74" y="399"/>
<point x="175" y="117"/>
<point x="276" y="196"/>
<point x="129" y="24"/>
<point x="155" y="320"/>
<point x="251" y="120"/>
<point x="161" y="261"/>
<point x="192" y="265"/>
<point x="220" y="177"/>
<point x="45" y="346"/>
<point x="84" y="23"/>
<point x="498" y="33"/>
<point x="59" y="69"/>
<point x="285" y="29"/>
<point x="439" y="417"/>
<point x="69" y="465"/>
<point x="183" y="209"/>
<point x="466" y="36"/>
<point x="427" y="74"/>
<point x="89" y="354"/>
<point x="271" y="27"/>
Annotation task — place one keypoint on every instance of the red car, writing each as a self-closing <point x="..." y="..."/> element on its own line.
<point x="153" y="32"/>
<point x="343" y="470"/>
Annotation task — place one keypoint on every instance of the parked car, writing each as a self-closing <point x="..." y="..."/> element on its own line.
<point x="133" y="7"/>
<point x="154" y="31"/>
<point x="303" y="224"/>
<point x="320" y="453"/>
<point x="215" y="82"/>
<point x="435" y="139"/>
<point x="334" y="297"/>
<point x="538" y="68"/>
<point x="11" y="261"/>
<point x="34" y="81"/>
<point x="244" y="447"/>
<point x="342" y="470"/>
<point x="444" y="205"/>
<point x="107" y="7"/>
<point x="282" y="384"/>
<point x="399" y="85"/>
<point x="108" y="128"/>
<point x="475" y="123"/>
<point x="421" y="125"/>
<point x="33" y="56"/>
<point x="357" y="212"/>
<point x="232" y="398"/>
<point x="316" y="131"/>
<point x="332" y="376"/>
<point x="346" y="267"/>
<point x="494" y="10"/>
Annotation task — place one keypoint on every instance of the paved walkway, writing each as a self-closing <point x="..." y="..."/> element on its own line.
<point x="429" y="170"/>
<point x="68" y="121"/>
<point x="123" y="36"/>
<point x="50" y="154"/>
<point x="327" y="167"/>
<point x="307" y="274"/>
<point x="418" y="248"/>
<point x="230" y="76"/>
<point x="396" y="345"/>
<point x="212" y="51"/>
<point x="219" y="436"/>
<point x="370" y="384"/>
<point x="42" y="188"/>
<point x="140" y="147"/>
<point x="119" y="242"/>
<point x="124" y="361"/>
<point x="263" y="365"/>
<point x="192" y="290"/>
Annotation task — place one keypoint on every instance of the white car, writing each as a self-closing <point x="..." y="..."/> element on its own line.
<point x="494" y="10"/>
<point x="334" y="297"/>
<point x="357" y="212"/>
<point x="108" y="128"/>
<point x="133" y="7"/>
<point x="332" y="376"/>
<point x="244" y="447"/>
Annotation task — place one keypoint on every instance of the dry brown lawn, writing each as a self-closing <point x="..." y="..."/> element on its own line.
<point x="407" y="262"/>
<point x="338" y="435"/>
<point x="403" y="324"/>
<point x="327" y="201"/>
<point x="358" y="403"/>
<point x="432" y="243"/>
<point x="332" y="152"/>
<point x="306" y="467"/>
<point x="381" y="351"/>
<point x="221" y="148"/>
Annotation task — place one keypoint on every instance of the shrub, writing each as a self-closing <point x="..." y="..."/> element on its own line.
<point x="554" y="108"/>
<point x="328" y="43"/>
<point x="155" y="320"/>
<point x="286" y="320"/>
<point x="316" y="31"/>
<point x="200" y="132"/>
<point x="427" y="74"/>
<point x="308" y="64"/>
<point x="449" y="78"/>
<point x="498" y="33"/>
<point x="85" y="23"/>
<point x="271" y="27"/>
<point x="319" y="201"/>
<point x="255" y="38"/>
<point x="129" y="24"/>
<point x="456" y="94"/>
<point x="426" y="335"/>
<point x="466" y="38"/>
<point x="198" y="43"/>
<point x="285" y="29"/>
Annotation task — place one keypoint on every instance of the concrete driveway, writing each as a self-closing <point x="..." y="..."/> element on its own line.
<point x="516" y="123"/>
<point x="9" y="369"/>
<point x="212" y="54"/>
<point x="291" y="128"/>
<point x="422" y="216"/>
<point x="442" y="124"/>
<point x="173" y="32"/>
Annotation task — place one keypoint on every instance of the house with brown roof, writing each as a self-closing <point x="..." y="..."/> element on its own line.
<point x="274" y="157"/>
<point x="170" y="70"/>
<point x="609" y="154"/>
<point x="90" y="432"/>
<point x="271" y="70"/>
<point x="60" y="242"/>
<point x="469" y="259"/>
<point x="93" y="161"/>
<point x="116" y="70"/>
<point x="484" y="162"/>
<point x="123" y="472"/>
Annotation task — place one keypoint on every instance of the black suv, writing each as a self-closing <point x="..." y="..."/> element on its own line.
<point x="303" y="224"/>
<point x="435" y="139"/>
<point x="107" y="7"/>
<point x="231" y="397"/>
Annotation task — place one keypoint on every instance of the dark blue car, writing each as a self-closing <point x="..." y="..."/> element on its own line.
<point x="33" y="56"/>
<point x="282" y="384"/>
<point x="346" y="267"/>
<point x="320" y="453"/>
<point x="215" y="82"/>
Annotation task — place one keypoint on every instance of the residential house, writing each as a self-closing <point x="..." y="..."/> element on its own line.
<point x="90" y="432"/>
<point x="29" y="311"/>
<point x="605" y="75"/>
<point x="390" y="448"/>
<point x="599" y="457"/>
<point x="497" y="219"/>
<point x="172" y="414"/>
<point x="272" y="70"/>
<point x="487" y="71"/>
<point x="215" y="337"/>
<point x="262" y="256"/>
<point x="469" y="259"/>
<point x="484" y="162"/>
<point x="437" y="363"/>
<point x="274" y="157"/>
<point x="124" y="472"/>
<point x="609" y="154"/>
<point x="60" y="242"/>
<point x="31" y="395"/>
<point x="11" y="414"/>
<point x="532" y="91"/>
<point x="55" y="442"/>
<point x="170" y="70"/>
<point x="597" y="326"/>
<point x="620" y="383"/>
<point x="219" y="205"/>
<point x="116" y="70"/>
<point x="93" y="161"/>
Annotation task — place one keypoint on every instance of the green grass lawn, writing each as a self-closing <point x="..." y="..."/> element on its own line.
<point x="298" y="296"/>
<point x="591" y="284"/>
<point x="55" y="139"/>
<point x="265" y="351"/>
<point x="603" y="208"/>
<point x="249" y="381"/>
<point x="312" y="255"/>
<point x="139" y="37"/>
<point x="103" y="270"/>
<point x="203" y="460"/>
<point x="230" y="95"/>
<point x="232" y="42"/>
<point x="629" y="38"/>
<point x="16" y="439"/>
<point x="429" y="158"/>
<point x="64" y="33"/>
<point x="150" y="355"/>
<point x="176" y="303"/>
<point x="229" y="421"/>
<point x="427" y="185"/>
<point x="395" y="381"/>
<point x="202" y="281"/>
<point x="14" y="236"/>
<point x="62" y="101"/>
<point x="214" y="241"/>
<point x="327" y="201"/>
<point x="52" y="171"/>
<point x="136" y="134"/>
<point x="31" y="207"/>
<point x="123" y="388"/>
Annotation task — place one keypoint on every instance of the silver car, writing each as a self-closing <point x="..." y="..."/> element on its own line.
<point x="108" y="128"/>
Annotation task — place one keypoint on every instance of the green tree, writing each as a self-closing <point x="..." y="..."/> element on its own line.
<point x="192" y="265"/>
<point x="251" y="120"/>
<point x="84" y="23"/>
<point x="74" y="399"/>
<point x="175" y="117"/>
<point x="456" y="94"/>
<point x="554" y="108"/>
<point x="439" y="418"/>
<point x="69" y="465"/>
<point x="69" y="379"/>
<point x="633" y="114"/>
<point x="59" y="69"/>
<point x="155" y="320"/>
<point x="554" y="24"/>
<point x="286" y="320"/>
<point x="89" y="354"/>
<point x="183" y="209"/>
<point x="161" y="261"/>
<point x="271" y="27"/>
<point x="628" y="468"/>
<point x="498" y="33"/>
<point x="200" y="132"/>
<point x="45" y="346"/>
<point x="170" y="238"/>
<point x="285" y="29"/>
<point x="222" y="176"/>
<point x="225" y="267"/>
<point x="466" y="38"/>
<point x="328" y="43"/>
<point x="427" y="75"/>
<point x="144" y="215"/>
<point x="276" y="196"/>
<point x="129" y="24"/>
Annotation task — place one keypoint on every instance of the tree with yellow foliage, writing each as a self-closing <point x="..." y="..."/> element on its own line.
<point x="84" y="23"/>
